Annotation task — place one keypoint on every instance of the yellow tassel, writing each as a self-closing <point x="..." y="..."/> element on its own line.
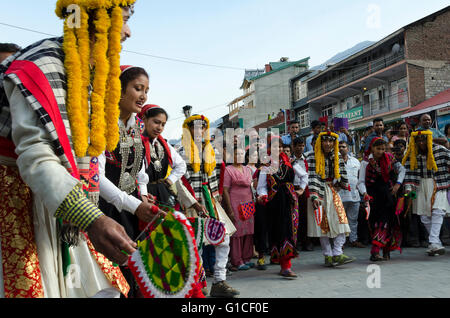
<point x="412" y="151"/>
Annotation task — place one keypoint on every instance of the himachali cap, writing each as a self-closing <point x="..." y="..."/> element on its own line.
<point x="147" y="107"/>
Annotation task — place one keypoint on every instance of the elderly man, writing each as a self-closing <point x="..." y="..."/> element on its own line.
<point x="425" y="124"/>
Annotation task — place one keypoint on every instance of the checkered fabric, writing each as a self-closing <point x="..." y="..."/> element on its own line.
<point x="442" y="158"/>
<point x="316" y="183"/>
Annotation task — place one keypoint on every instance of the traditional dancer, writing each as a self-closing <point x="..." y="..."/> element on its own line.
<point x="427" y="173"/>
<point x="378" y="183"/>
<point x="276" y="187"/>
<point x="164" y="166"/>
<point x="326" y="214"/>
<point x="202" y="177"/>
<point x="57" y="135"/>
<point x="123" y="181"/>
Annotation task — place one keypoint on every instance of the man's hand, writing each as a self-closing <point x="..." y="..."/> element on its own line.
<point x="110" y="238"/>
<point x="147" y="211"/>
<point x="316" y="204"/>
<point x="168" y="182"/>
<point x="201" y="210"/>
<point x="395" y="188"/>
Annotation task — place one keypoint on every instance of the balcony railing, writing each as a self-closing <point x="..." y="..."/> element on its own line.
<point x="390" y="103"/>
<point x="357" y="73"/>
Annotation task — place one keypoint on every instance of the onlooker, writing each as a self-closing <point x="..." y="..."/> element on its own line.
<point x="7" y="49"/>
<point x="294" y="128"/>
<point x="344" y="135"/>
<point x="303" y="241"/>
<point x="425" y="124"/>
<point x="351" y="199"/>
<point x="287" y="150"/>
<point x="236" y="191"/>
<point x="401" y="133"/>
<point x="369" y="130"/>
<point x="317" y="129"/>
<point x="378" y="126"/>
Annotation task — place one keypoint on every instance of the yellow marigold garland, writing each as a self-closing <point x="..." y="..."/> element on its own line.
<point x="106" y="53"/>
<point x="112" y="111"/>
<point x="320" y="157"/>
<point x="191" y="148"/>
<point x="74" y="92"/>
<point x="98" y="124"/>
<point x="412" y="151"/>
<point x="84" y="49"/>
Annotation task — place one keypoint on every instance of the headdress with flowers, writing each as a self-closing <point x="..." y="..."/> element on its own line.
<point x="191" y="149"/>
<point x="412" y="150"/>
<point x="93" y="128"/>
<point x="320" y="157"/>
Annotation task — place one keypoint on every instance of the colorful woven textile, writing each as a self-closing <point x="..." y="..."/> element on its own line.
<point x="165" y="265"/>
<point x="246" y="210"/>
<point x="198" y="224"/>
<point x="214" y="231"/>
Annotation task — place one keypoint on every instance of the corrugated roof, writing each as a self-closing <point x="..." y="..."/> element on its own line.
<point x="281" y="67"/>
<point x="439" y="99"/>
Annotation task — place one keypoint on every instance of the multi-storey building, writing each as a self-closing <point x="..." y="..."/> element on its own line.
<point x="387" y="78"/>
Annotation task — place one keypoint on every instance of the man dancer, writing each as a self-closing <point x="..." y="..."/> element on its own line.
<point x="327" y="175"/>
<point x="427" y="167"/>
<point x="51" y="171"/>
<point x="202" y="177"/>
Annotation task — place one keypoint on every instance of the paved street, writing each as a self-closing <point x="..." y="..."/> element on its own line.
<point x="411" y="274"/>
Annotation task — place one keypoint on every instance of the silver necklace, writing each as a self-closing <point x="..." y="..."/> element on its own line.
<point x="157" y="155"/>
<point x="127" y="180"/>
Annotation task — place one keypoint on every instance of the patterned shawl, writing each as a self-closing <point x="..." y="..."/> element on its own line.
<point x="316" y="183"/>
<point x="38" y="71"/>
<point x="442" y="158"/>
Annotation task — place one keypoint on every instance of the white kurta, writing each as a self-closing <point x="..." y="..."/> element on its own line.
<point x="422" y="204"/>
<point x="329" y="210"/>
<point x="50" y="183"/>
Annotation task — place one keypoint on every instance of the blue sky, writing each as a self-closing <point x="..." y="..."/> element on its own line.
<point x="237" y="34"/>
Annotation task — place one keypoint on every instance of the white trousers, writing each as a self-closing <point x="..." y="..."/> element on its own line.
<point x="338" y="242"/>
<point x="433" y="225"/>
<point x="220" y="267"/>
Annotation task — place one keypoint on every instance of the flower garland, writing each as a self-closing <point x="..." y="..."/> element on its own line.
<point x="192" y="150"/>
<point x="106" y="53"/>
<point x="320" y="157"/>
<point x="412" y="151"/>
<point x="74" y="92"/>
<point x="98" y="124"/>
<point x="112" y="111"/>
<point x="82" y="34"/>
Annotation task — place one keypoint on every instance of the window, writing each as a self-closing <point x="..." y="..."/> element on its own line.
<point x="327" y="111"/>
<point x="297" y="91"/>
<point x="303" y="118"/>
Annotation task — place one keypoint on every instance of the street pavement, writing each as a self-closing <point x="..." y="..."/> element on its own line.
<point x="411" y="274"/>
